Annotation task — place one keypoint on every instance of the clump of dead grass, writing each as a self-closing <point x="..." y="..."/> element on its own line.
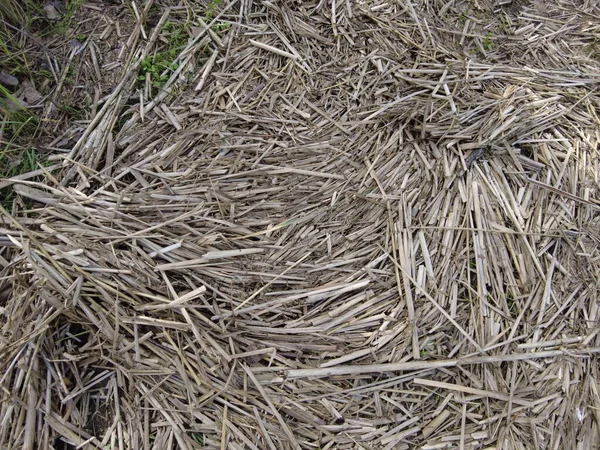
<point x="339" y="225"/>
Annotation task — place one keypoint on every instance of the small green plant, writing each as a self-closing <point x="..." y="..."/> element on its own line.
<point x="159" y="66"/>
<point x="488" y="41"/>
<point x="198" y="438"/>
<point x="220" y="27"/>
<point x="211" y="9"/>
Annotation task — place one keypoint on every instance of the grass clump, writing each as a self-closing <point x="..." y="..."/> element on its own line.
<point x="27" y="161"/>
<point x="13" y="164"/>
<point x="12" y="11"/>
<point x="18" y="127"/>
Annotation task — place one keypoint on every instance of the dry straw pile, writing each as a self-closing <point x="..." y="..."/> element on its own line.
<point x="337" y="225"/>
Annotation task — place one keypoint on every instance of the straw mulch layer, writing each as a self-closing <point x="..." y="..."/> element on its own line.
<point x="338" y="225"/>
